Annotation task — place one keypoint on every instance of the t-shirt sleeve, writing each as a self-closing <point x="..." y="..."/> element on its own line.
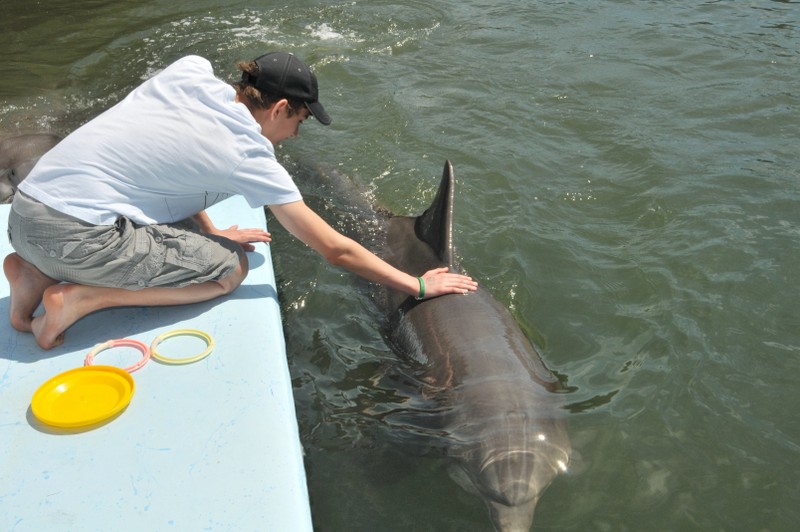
<point x="262" y="180"/>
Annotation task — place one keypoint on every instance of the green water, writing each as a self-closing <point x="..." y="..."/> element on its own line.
<point x="628" y="185"/>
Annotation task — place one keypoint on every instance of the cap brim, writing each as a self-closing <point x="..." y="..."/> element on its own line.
<point x="319" y="113"/>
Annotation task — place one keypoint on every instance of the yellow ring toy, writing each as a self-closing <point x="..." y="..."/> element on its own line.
<point x="181" y="332"/>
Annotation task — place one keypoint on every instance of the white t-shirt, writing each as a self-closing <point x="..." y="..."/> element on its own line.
<point x="176" y="145"/>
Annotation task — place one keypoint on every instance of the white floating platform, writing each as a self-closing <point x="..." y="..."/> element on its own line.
<point x="212" y="445"/>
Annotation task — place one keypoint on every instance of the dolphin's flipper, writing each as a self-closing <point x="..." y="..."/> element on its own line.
<point x="435" y="225"/>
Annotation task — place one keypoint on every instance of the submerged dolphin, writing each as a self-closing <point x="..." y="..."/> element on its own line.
<point x="18" y="156"/>
<point x="498" y="407"/>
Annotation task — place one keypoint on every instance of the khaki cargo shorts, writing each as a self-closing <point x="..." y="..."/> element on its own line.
<point x="123" y="255"/>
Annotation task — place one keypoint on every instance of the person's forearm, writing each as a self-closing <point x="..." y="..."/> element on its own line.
<point x="357" y="259"/>
<point x="340" y="250"/>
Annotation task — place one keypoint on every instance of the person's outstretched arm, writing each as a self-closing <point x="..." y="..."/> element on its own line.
<point x="342" y="251"/>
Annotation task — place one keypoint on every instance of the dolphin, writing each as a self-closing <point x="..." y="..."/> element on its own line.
<point x="498" y="408"/>
<point x="18" y="155"/>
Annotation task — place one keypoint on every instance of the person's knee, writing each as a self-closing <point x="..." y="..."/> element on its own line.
<point x="232" y="281"/>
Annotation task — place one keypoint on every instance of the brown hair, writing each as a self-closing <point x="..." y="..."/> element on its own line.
<point x="254" y="98"/>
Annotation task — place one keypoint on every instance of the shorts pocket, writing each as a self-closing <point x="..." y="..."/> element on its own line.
<point x="140" y="257"/>
<point x="184" y="251"/>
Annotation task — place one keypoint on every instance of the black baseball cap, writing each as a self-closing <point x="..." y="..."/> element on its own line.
<point x="283" y="75"/>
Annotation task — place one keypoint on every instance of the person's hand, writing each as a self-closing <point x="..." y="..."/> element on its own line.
<point x="439" y="282"/>
<point x="245" y="237"/>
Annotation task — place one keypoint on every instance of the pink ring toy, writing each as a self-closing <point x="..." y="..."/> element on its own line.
<point x="125" y="342"/>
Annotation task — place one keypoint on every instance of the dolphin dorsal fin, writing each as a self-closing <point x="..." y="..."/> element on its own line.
<point x="435" y="225"/>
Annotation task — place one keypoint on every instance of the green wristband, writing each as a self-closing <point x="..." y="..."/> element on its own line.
<point x="421" y="288"/>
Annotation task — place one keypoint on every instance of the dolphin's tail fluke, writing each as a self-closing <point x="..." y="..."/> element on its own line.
<point x="435" y="225"/>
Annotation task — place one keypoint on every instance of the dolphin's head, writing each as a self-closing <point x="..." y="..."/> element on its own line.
<point x="18" y="155"/>
<point x="518" y="518"/>
<point x="511" y="489"/>
<point x="11" y="177"/>
<point x="6" y="189"/>
<point x="513" y="480"/>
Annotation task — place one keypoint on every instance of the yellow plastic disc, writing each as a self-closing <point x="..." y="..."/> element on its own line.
<point x="181" y="332"/>
<point x="83" y="396"/>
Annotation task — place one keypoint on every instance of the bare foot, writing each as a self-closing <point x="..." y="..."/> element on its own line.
<point x="27" y="286"/>
<point x="64" y="304"/>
